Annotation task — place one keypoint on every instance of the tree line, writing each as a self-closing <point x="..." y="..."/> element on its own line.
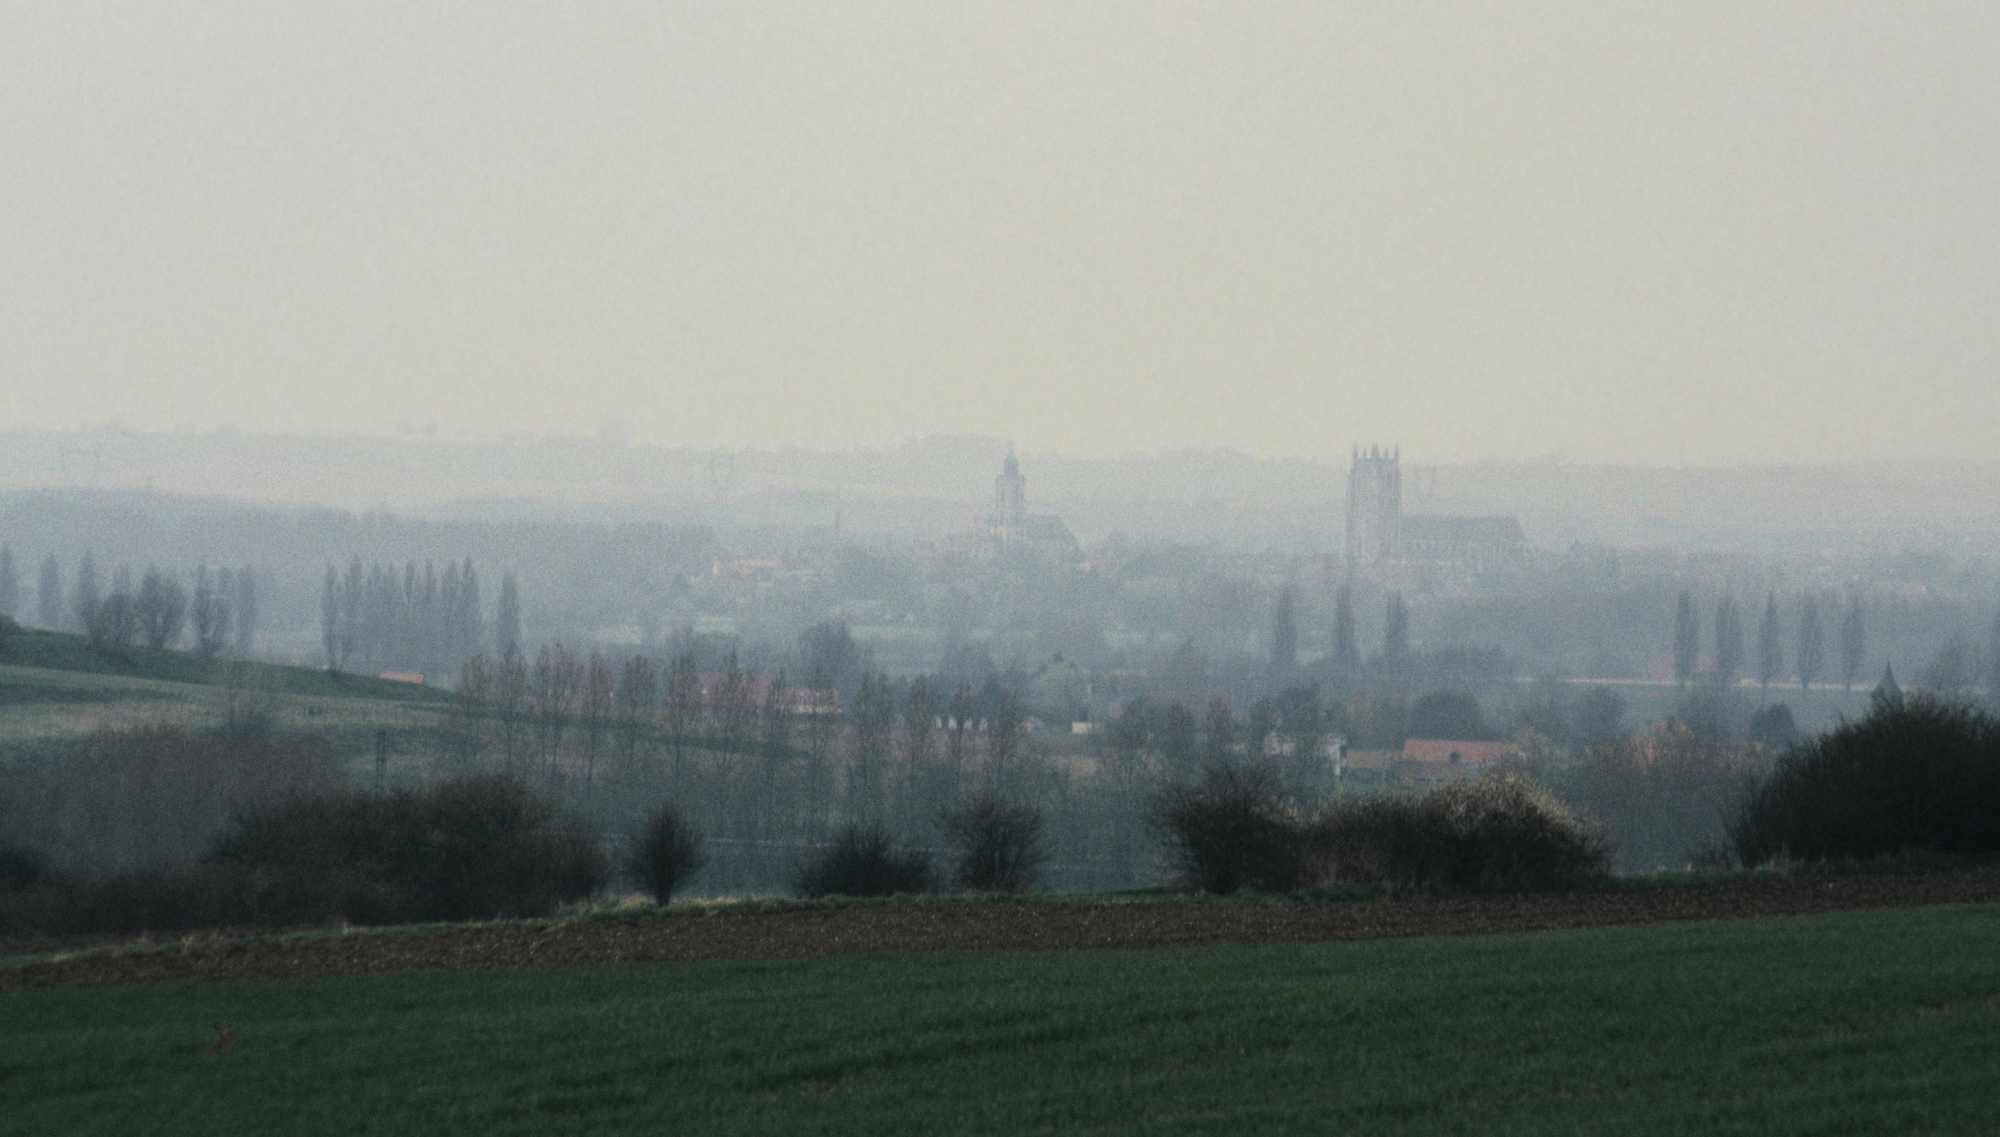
<point x="1956" y="669"/>
<point x="375" y="619"/>
<point x="216" y="610"/>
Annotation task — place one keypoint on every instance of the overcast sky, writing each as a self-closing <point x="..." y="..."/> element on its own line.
<point x="1655" y="233"/>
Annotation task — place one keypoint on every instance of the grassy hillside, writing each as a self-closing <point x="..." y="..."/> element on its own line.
<point x="54" y="689"/>
<point x="61" y="652"/>
<point x="1857" y="1023"/>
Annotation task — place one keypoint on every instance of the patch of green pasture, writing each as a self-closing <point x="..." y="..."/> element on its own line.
<point x="1849" y="1023"/>
<point x="19" y="685"/>
<point x="41" y="705"/>
<point x="65" y="652"/>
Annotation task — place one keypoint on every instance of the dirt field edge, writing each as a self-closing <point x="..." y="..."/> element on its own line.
<point x="782" y="932"/>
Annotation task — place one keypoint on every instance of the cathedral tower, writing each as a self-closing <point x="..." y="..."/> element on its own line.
<point x="1009" y="522"/>
<point x="1374" y="505"/>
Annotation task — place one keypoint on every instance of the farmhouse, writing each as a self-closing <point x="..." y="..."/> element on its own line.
<point x="1426" y="760"/>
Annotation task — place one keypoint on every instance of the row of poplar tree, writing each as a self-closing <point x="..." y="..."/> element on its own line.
<point x="1809" y="642"/>
<point x="1808" y="647"/>
<point x="216" y="611"/>
<point x="375" y="618"/>
<point x="759" y="764"/>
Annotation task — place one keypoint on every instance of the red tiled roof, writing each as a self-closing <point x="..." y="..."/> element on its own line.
<point x="1445" y="751"/>
<point x="1370" y="759"/>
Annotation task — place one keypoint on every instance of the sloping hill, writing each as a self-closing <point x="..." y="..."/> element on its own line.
<point x="34" y="664"/>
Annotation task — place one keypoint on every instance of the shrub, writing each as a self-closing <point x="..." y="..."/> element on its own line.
<point x="861" y="860"/>
<point x="998" y="847"/>
<point x="1922" y="775"/>
<point x="473" y="849"/>
<point x="1663" y="800"/>
<point x="1492" y="832"/>
<point x="141" y="799"/>
<point x="1228" y="831"/>
<point x="664" y="853"/>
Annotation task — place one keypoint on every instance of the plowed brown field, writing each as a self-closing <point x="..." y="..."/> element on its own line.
<point x="752" y="932"/>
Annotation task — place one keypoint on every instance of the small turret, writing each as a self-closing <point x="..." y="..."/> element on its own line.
<point x="1887" y="693"/>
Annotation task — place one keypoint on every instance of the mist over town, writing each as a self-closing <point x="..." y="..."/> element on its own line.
<point x="999" y="568"/>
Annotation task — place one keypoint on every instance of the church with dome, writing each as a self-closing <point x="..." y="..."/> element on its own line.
<point x="1013" y="530"/>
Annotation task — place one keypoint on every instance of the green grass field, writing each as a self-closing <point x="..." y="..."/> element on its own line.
<point x="52" y="652"/>
<point x="55" y="690"/>
<point x="1855" y="1023"/>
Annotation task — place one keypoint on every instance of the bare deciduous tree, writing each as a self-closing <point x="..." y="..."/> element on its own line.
<point x="1811" y="652"/>
<point x="957" y="738"/>
<point x="507" y="617"/>
<point x="775" y="741"/>
<point x="1728" y="642"/>
<point x="463" y="732"/>
<point x="1853" y="644"/>
<point x="162" y="610"/>
<point x="246" y="610"/>
<point x="510" y="707"/>
<point x="1284" y="636"/>
<point x="556" y="684"/>
<point x="1396" y="634"/>
<point x="83" y="601"/>
<point x="920" y="714"/>
<point x="598" y="689"/>
<point x="1346" y="648"/>
<point x="683" y="707"/>
<point x="48" y="594"/>
<point x="10" y="584"/>
<point x="329" y="620"/>
<point x="1687" y="639"/>
<point x="1770" y="645"/>
<point x="638" y="698"/>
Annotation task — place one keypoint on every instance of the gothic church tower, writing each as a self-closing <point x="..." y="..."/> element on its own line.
<point x="1009" y="521"/>
<point x="1374" y="505"/>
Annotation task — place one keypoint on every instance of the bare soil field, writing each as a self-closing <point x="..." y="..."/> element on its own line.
<point x="753" y="931"/>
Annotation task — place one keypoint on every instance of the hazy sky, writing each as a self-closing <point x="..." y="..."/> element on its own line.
<point x="1645" y="232"/>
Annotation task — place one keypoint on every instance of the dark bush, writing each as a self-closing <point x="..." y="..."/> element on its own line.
<point x="1773" y="728"/>
<point x="997" y="847"/>
<point x="664" y="853"/>
<point x="1447" y="714"/>
<point x="1228" y="831"/>
<point x="1922" y="775"/>
<point x="475" y="849"/>
<point x="861" y="860"/>
<point x="457" y="851"/>
<point x="1488" y="833"/>
<point x="155" y="796"/>
<point x="1663" y="798"/>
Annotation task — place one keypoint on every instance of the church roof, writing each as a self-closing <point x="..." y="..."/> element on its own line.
<point x="1050" y="528"/>
<point x="1461" y="530"/>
